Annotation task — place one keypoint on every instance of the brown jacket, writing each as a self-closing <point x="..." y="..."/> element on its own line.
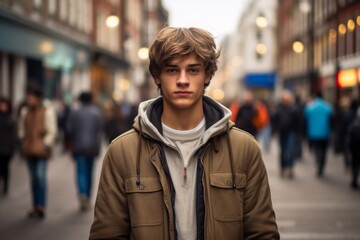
<point x="37" y="130"/>
<point x="134" y="198"/>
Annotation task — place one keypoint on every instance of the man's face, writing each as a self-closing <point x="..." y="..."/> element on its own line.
<point x="182" y="82"/>
<point x="32" y="100"/>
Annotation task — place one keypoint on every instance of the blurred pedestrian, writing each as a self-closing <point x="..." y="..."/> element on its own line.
<point x="286" y="121"/>
<point x="246" y="114"/>
<point x="37" y="131"/>
<point x="300" y="132"/>
<point x="85" y="127"/>
<point x="318" y="115"/>
<point x="234" y="108"/>
<point x="63" y="116"/>
<point x="117" y="123"/>
<point x="353" y="145"/>
<point x="262" y="124"/>
<point x="7" y="141"/>
<point x="184" y="171"/>
<point x="343" y="118"/>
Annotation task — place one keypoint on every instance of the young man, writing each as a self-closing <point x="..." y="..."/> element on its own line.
<point x="184" y="171"/>
<point x="37" y="132"/>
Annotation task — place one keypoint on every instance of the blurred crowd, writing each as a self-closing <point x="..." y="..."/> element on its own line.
<point x="79" y="128"/>
<point x="292" y="122"/>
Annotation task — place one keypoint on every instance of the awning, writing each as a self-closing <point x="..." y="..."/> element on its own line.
<point x="31" y="40"/>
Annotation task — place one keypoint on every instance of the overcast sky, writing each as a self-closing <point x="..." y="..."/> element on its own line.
<point x="220" y="17"/>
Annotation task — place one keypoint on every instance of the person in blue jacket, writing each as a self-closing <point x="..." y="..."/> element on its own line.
<point x="318" y="116"/>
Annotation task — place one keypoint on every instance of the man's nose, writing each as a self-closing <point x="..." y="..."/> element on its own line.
<point x="183" y="78"/>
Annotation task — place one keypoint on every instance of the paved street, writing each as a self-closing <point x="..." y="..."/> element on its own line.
<point x="311" y="208"/>
<point x="306" y="207"/>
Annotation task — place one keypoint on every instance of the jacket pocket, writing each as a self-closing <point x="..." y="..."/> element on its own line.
<point x="145" y="201"/>
<point x="227" y="205"/>
<point x="227" y="201"/>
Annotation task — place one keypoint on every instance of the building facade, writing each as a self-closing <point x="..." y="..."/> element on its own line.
<point x="69" y="47"/>
<point x="320" y="44"/>
<point x="251" y="52"/>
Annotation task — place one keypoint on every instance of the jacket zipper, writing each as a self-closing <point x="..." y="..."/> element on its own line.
<point x="205" y="192"/>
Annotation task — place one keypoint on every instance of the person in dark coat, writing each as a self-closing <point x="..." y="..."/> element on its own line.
<point x="7" y="141"/>
<point x="117" y="123"/>
<point x="353" y="144"/>
<point x="246" y="115"/>
<point x="286" y="124"/>
<point x="85" y="127"/>
<point x="343" y="118"/>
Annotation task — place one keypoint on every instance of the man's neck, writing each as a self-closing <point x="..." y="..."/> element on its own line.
<point x="182" y="119"/>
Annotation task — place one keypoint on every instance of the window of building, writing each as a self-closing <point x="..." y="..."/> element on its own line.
<point x="332" y="39"/>
<point x="63" y="9"/>
<point x="72" y="12"/>
<point x="37" y="3"/>
<point x="325" y="47"/>
<point x="341" y="39"/>
<point x="341" y="3"/>
<point x="357" y="34"/>
<point x="350" y="34"/>
<point x="52" y="7"/>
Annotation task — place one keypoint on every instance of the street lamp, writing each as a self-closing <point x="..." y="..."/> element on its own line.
<point x="305" y="6"/>
<point x="112" y="21"/>
<point x="143" y="53"/>
<point x="261" y="48"/>
<point x="261" y="21"/>
<point x="298" y="46"/>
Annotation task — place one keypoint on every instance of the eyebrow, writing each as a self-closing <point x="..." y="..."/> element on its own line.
<point x="190" y="65"/>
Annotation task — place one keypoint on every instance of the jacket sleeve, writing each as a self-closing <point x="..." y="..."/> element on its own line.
<point x="21" y="124"/>
<point x="50" y="126"/>
<point x="259" y="216"/>
<point x="111" y="218"/>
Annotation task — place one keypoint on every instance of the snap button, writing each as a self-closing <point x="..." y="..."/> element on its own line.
<point x="141" y="186"/>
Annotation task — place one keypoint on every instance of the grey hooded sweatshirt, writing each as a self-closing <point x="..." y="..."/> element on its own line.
<point x="180" y="148"/>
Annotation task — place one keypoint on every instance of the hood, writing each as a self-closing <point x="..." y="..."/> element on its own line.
<point x="148" y="123"/>
<point x="217" y="118"/>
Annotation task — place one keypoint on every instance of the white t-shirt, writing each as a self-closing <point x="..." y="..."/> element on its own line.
<point x="182" y="167"/>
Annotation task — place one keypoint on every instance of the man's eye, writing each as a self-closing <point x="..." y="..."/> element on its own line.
<point x="194" y="70"/>
<point x="171" y="70"/>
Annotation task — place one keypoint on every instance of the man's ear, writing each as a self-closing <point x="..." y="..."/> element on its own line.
<point x="207" y="80"/>
<point x="157" y="81"/>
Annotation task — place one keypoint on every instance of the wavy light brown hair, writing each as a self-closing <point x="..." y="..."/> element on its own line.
<point x="174" y="42"/>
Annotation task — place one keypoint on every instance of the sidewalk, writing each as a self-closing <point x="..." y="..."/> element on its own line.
<point x="63" y="218"/>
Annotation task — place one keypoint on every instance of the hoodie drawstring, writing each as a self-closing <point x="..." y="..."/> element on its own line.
<point x="138" y="183"/>
<point x="231" y="157"/>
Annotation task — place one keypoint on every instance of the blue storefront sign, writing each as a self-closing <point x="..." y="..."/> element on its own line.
<point x="260" y="80"/>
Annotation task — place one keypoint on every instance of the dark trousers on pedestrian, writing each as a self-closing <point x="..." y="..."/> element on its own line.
<point x="287" y="152"/>
<point x="37" y="169"/>
<point x="4" y="171"/>
<point x="84" y="171"/>
<point x="319" y="147"/>
<point x="355" y="167"/>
